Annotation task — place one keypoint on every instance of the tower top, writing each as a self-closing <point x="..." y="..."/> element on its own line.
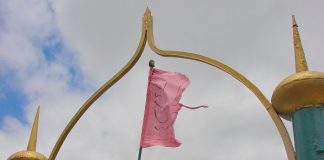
<point x="300" y="60"/>
<point x="30" y="153"/>
<point x="33" y="134"/>
<point x="301" y="89"/>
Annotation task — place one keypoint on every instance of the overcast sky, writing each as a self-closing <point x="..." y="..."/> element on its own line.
<point x="56" y="53"/>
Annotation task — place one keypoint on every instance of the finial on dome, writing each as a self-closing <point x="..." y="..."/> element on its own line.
<point x="300" y="60"/>
<point x="30" y="153"/>
<point x="33" y="134"/>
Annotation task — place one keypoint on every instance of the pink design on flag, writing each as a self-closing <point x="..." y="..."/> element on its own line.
<point x="162" y="106"/>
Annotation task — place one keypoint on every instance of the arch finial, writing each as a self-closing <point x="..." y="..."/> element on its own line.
<point x="147" y="19"/>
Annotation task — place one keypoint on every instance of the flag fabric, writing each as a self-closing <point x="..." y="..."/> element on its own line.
<point x="162" y="106"/>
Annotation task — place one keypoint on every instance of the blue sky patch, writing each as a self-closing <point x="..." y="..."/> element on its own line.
<point x="51" y="47"/>
<point x="11" y="99"/>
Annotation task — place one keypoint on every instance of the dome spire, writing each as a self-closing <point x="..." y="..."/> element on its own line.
<point x="30" y="153"/>
<point x="33" y="134"/>
<point x="300" y="60"/>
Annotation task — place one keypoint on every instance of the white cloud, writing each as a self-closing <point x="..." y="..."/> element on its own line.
<point x="26" y="27"/>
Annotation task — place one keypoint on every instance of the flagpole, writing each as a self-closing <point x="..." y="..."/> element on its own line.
<point x="151" y="64"/>
<point x="140" y="153"/>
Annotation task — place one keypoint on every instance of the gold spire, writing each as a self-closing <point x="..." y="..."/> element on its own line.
<point x="30" y="153"/>
<point x="302" y="89"/>
<point x="300" y="60"/>
<point x="33" y="134"/>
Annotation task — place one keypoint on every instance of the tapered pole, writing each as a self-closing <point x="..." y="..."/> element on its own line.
<point x="33" y="135"/>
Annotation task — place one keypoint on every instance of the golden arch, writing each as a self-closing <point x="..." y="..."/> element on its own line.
<point x="147" y="36"/>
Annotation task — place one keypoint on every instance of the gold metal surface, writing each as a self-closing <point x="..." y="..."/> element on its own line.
<point x="302" y="89"/>
<point x="27" y="155"/>
<point x="30" y="153"/>
<point x="147" y="34"/>
<point x="33" y="135"/>
<point x="301" y="63"/>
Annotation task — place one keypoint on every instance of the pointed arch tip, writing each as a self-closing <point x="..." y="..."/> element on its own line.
<point x="147" y="11"/>
<point x="147" y="19"/>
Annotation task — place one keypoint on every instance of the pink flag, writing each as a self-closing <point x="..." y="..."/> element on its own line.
<point x="162" y="106"/>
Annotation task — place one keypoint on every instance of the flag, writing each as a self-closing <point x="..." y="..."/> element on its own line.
<point x="162" y="106"/>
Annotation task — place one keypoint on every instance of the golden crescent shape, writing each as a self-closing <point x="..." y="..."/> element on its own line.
<point x="98" y="93"/>
<point x="192" y="56"/>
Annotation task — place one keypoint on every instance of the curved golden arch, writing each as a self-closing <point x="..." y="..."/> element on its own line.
<point x="255" y="90"/>
<point x="98" y="93"/>
<point x="147" y="35"/>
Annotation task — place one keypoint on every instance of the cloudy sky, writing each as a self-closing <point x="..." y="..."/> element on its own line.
<point x="56" y="53"/>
